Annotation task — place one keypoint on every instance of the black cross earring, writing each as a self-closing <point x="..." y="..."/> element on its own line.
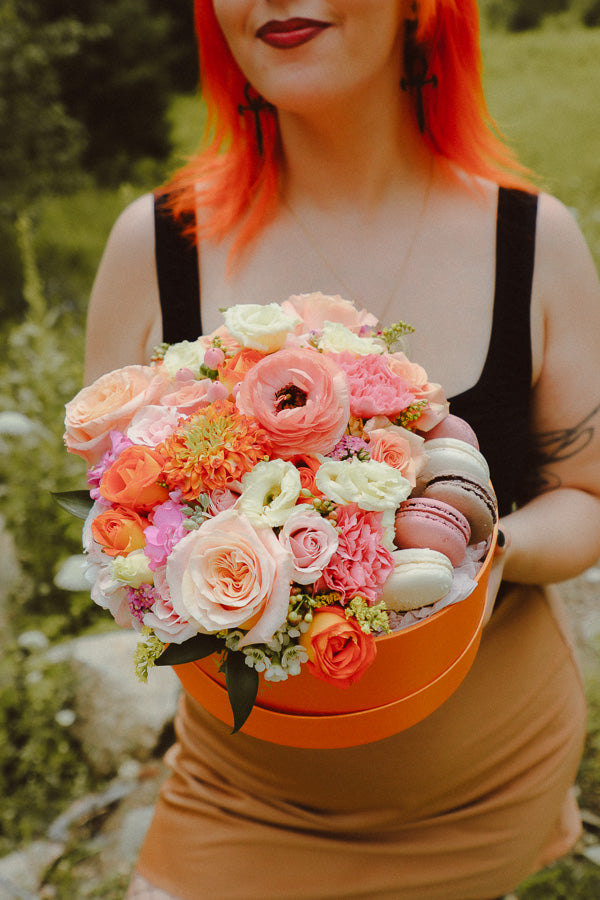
<point x="416" y="67"/>
<point x="255" y="104"/>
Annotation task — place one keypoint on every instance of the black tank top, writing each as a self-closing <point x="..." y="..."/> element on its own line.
<point x="497" y="406"/>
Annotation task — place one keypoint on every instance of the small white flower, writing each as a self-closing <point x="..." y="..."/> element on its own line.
<point x="270" y="492"/>
<point x="372" y="485"/>
<point x="133" y="570"/>
<point x="260" y="327"/>
<point x="184" y="355"/>
<point x="65" y="718"/>
<point x="336" y="338"/>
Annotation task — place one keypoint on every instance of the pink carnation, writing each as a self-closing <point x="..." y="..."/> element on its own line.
<point x="164" y="533"/>
<point x="374" y="388"/>
<point x="361" y="564"/>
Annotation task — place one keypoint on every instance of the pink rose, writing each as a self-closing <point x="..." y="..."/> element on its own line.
<point x="109" y="404"/>
<point x="152" y="425"/>
<point x="399" y="448"/>
<point x="168" y="626"/>
<point x="221" y="499"/>
<point x="229" y="574"/>
<point x="361" y="564"/>
<point x="300" y="398"/>
<point x="374" y="388"/>
<point x="423" y="389"/>
<point x="312" y="541"/>
<point x="316" y="309"/>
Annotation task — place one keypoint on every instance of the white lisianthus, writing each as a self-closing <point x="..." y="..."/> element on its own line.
<point x="260" y="327"/>
<point x="270" y="492"/>
<point x="336" y="338"/>
<point x="133" y="569"/>
<point x="372" y="485"/>
<point x="185" y="355"/>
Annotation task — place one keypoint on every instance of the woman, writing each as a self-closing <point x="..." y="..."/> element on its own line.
<point x="361" y="163"/>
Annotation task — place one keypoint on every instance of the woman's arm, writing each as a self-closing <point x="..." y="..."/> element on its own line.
<point x="124" y="313"/>
<point x="557" y="534"/>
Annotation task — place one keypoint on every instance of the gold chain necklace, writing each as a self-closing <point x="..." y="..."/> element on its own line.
<point x="348" y="292"/>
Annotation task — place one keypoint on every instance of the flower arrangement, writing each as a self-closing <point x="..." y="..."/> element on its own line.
<point x="243" y="489"/>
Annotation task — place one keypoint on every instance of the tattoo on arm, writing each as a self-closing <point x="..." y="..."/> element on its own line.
<point x="553" y="447"/>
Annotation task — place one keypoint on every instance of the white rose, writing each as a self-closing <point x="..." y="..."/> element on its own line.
<point x="259" y="327"/>
<point x="372" y="485"/>
<point x="133" y="569"/>
<point x="336" y="338"/>
<point x="270" y="492"/>
<point x="184" y="355"/>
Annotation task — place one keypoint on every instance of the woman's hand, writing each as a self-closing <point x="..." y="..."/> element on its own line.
<point x="496" y="574"/>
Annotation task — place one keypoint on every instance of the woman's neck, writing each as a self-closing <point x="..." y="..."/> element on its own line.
<point x="346" y="159"/>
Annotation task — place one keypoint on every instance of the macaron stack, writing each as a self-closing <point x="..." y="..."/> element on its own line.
<point x="453" y="506"/>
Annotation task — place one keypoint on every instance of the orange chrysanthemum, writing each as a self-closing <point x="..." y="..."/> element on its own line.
<point x="211" y="449"/>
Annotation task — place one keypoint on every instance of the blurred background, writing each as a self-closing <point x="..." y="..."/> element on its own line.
<point x="98" y="104"/>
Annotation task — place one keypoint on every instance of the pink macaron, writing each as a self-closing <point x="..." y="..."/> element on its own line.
<point x="423" y="522"/>
<point x="474" y="498"/>
<point x="453" y="427"/>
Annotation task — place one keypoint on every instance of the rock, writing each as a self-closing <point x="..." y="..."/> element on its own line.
<point x="117" y="716"/>
<point x="21" y="872"/>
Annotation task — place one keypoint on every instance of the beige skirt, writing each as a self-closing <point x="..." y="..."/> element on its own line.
<point x="462" y="806"/>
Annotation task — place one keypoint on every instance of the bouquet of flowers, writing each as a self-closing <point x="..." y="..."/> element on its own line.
<point x="243" y="489"/>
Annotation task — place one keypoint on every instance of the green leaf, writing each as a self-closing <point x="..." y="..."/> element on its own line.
<point x="242" y="687"/>
<point x="197" y="647"/>
<point x="78" y="503"/>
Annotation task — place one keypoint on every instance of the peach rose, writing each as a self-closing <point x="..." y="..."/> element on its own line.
<point x="187" y="396"/>
<point x="109" y="404"/>
<point x="339" y="652"/>
<point x="227" y="574"/>
<point x="119" y="531"/>
<point x="300" y="398"/>
<point x="132" y="480"/>
<point x="399" y="448"/>
<point x="316" y="309"/>
<point x="235" y="369"/>
<point x="416" y="376"/>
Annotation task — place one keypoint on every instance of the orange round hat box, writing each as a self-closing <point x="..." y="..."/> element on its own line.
<point x="415" y="671"/>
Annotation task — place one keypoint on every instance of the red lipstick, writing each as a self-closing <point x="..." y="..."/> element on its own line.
<point x="289" y="33"/>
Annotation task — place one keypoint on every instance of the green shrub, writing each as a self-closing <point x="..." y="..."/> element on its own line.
<point x="41" y="765"/>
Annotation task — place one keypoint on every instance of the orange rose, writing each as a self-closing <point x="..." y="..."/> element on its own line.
<point x="308" y="467"/>
<point x="132" y="480"/>
<point x="235" y="369"/>
<point x="338" y="651"/>
<point x="119" y="531"/>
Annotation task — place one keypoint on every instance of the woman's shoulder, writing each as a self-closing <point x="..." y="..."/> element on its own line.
<point x="564" y="264"/>
<point x="124" y="310"/>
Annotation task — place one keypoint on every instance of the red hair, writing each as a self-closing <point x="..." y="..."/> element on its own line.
<point x="237" y="186"/>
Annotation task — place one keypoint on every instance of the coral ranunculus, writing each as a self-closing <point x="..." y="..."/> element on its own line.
<point x="133" y="478"/>
<point x="119" y="531"/>
<point x="339" y="651"/>
<point x="300" y="398"/>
